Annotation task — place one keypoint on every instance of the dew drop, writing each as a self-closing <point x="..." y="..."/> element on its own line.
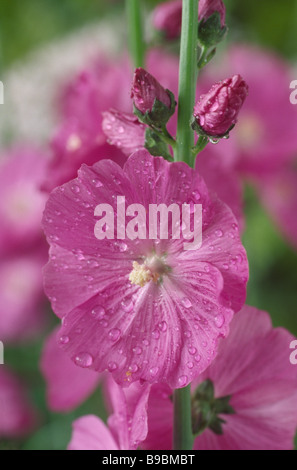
<point x="154" y="371"/>
<point x="112" y="366"/>
<point x="64" y="340"/>
<point x="192" y="350"/>
<point x="75" y="188"/>
<point x="156" y="334"/>
<point x="83" y="360"/>
<point x="198" y="358"/>
<point x="98" y="312"/>
<point x="190" y="365"/>
<point x="127" y="305"/>
<point x="219" y="320"/>
<point x="219" y="233"/>
<point x="114" y="334"/>
<point x="162" y="326"/>
<point x="137" y="350"/>
<point x="182" y="380"/>
<point x="186" y="302"/>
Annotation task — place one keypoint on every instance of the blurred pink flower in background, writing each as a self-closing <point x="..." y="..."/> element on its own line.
<point x="22" y="308"/>
<point x="157" y="331"/>
<point x="23" y="250"/>
<point x="126" y="427"/>
<point x="167" y="17"/>
<point x="17" y="416"/>
<point x="22" y="173"/>
<point x="252" y="366"/>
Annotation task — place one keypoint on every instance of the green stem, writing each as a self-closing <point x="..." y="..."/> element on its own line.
<point x="182" y="430"/>
<point x="135" y="28"/>
<point x="187" y="81"/>
<point x="201" y="144"/>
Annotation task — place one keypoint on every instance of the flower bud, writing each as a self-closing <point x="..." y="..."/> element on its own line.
<point x="123" y="130"/>
<point x="208" y="7"/>
<point x="153" y="105"/>
<point x="216" y="113"/>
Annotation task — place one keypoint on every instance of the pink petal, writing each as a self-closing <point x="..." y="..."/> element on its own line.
<point x="67" y="384"/>
<point x="90" y="433"/>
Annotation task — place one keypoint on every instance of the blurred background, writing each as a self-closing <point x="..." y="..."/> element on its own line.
<point x="33" y="30"/>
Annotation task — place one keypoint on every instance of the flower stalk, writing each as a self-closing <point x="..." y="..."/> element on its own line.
<point x="137" y="44"/>
<point x="187" y="81"/>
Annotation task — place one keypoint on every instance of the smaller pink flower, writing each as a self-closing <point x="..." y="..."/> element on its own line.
<point x="127" y="426"/>
<point x="216" y="112"/>
<point x="67" y="384"/>
<point x="17" y="416"/>
<point x="253" y="373"/>
<point x="145" y="90"/>
<point x="123" y="130"/>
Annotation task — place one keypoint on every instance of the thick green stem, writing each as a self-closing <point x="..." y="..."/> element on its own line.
<point x="136" y="32"/>
<point x="182" y="430"/>
<point x="187" y="81"/>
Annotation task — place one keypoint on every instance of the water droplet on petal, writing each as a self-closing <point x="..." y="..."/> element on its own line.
<point x="186" y="302"/>
<point x="192" y="350"/>
<point x="154" y="371"/>
<point x="219" y="320"/>
<point x="114" y="334"/>
<point x="182" y="380"/>
<point x="112" y="366"/>
<point x="127" y="305"/>
<point x="219" y="233"/>
<point x="64" y="340"/>
<point x="83" y="360"/>
<point x="137" y="350"/>
<point x="190" y="365"/>
<point x="198" y="358"/>
<point x="98" y="312"/>
<point x="162" y="326"/>
<point x="156" y="334"/>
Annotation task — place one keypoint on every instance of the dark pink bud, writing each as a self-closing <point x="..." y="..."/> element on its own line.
<point x="217" y="112"/>
<point x="145" y="90"/>
<point x="167" y="18"/>
<point x="208" y="7"/>
<point x="123" y="130"/>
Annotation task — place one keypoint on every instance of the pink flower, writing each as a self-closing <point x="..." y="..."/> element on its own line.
<point x="145" y="90"/>
<point x="22" y="298"/>
<point x="278" y="195"/>
<point x="127" y="426"/>
<point x="155" y="331"/>
<point x="167" y="16"/>
<point x="17" y="416"/>
<point x="123" y="130"/>
<point x="217" y="111"/>
<point x="22" y="173"/>
<point x="253" y="368"/>
<point x="67" y="384"/>
<point x="80" y="139"/>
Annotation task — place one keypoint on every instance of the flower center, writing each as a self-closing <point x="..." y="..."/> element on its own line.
<point x="152" y="269"/>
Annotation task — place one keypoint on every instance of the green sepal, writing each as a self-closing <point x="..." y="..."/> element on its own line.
<point x="155" y="145"/>
<point x="160" y="113"/>
<point x="210" y="31"/>
<point x="212" y="138"/>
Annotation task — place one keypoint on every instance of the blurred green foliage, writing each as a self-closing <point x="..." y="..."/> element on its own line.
<point x="26" y="25"/>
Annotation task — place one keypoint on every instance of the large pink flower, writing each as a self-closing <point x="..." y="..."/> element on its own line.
<point x="253" y="368"/>
<point x="16" y="414"/>
<point x="127" y="426"/>
<point x="156" y="331"/>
